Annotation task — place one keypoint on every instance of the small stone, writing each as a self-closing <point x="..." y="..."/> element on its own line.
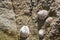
<point x="26" y="12"/>
<point x="42" y="14"/>
<point x="41" y="32"/>
<point x="49" y="20"/>
<point x="24" y="31"/>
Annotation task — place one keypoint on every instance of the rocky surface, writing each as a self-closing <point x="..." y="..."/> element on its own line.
<point x="16" y="13"/>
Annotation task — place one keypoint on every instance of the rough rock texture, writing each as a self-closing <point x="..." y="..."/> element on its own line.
<point x="16" y="13"/>
<point x="7" y="20"/>
<point x="6" y="13"/>
<point x="7" y="25"/>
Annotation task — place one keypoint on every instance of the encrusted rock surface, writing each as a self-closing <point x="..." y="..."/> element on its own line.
<point x="16" y="13"/>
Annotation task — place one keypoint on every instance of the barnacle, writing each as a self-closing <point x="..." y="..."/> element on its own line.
<point x="24" y="31"/>
<point x="49" y="20"/>
<point x="41" y="32"/>
<point x="54" y="27"/>
<point x="42" y="14"/>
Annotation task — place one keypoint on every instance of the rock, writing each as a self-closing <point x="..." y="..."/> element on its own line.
<point x="41" y="32"/>
<point x="8" y="26"/>
<point x="42" y="14"/>
<point x="24" y="31"/>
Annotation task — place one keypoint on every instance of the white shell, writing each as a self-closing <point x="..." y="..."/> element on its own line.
<point x="41" y="32"/>
<point x="24" y="31"/>
<point x="42" y="14"/>
<point x="49" y="20"/>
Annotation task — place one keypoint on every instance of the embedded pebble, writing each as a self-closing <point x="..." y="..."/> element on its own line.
<point x="41" y="32"/>
<point x="42" y="14"/>
<point x="26" y="12"/>
<point x="24" y="31"/>
<point x="49" y="20"/>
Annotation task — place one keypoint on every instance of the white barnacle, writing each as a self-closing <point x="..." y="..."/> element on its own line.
<point x="42" y="14"/>
<point x="24" y="31"/>
<point x="49" y="20"/>
<point x="41" y="32"/>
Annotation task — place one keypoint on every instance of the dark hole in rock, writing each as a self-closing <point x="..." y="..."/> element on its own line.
<point x="53" y="13"/>
<point x="2" y="0"/>
<point x="40" y="23"/>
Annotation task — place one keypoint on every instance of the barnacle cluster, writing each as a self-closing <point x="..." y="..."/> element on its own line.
<point x="47" y="15"/>
<point x="42" y="15"/>
<point x="54" y="28"/>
